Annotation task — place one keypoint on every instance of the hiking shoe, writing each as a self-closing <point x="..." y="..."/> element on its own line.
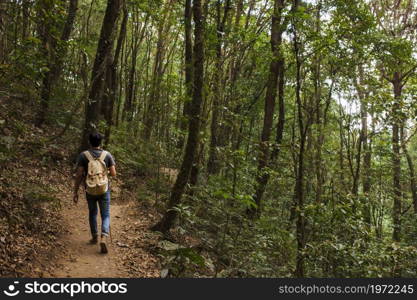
<point x="103" y="244"/>
<point x="94" y="240"/>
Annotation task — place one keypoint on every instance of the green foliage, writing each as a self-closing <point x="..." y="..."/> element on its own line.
<point x="140" y="157"/>
<point x="179" y="261"/>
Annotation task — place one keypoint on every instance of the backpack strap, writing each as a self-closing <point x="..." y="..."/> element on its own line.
<point x="103" y="155"/>
<point x="88" y="155"/>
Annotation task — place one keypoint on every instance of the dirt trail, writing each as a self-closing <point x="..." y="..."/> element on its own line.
<point x="130" y="248"/>
<point x="80" y="258"/>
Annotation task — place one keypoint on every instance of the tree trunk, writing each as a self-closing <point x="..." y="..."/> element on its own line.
<point x="396" y="161"/>
<point x="104" y="49"/>
<point x="111" y="78"/>
<point x="158" y="72"/>
<point x="194" y="124"/>
<point x="299" y="182"/>
<point x="44" y="28"/>
<point x="55" y="54"/>
<point x="411" y="169"/>
<point x="25" y="18"/>
<point x="366" y="178"/>
<point x="3" y="35"/>
<point x="128" y="108"/>
<point x="213" y="165"/>
<point x="277" y="63"/>
<point x="321" y="114"/>
<point x="195" y="170"/>
<point x="188" y="62"/>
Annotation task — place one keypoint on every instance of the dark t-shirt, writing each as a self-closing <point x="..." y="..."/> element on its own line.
<point x="82" y="160"/>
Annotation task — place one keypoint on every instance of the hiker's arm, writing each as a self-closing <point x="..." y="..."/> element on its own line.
<point x="112" y="171"/>
<point x="78" y="178"/>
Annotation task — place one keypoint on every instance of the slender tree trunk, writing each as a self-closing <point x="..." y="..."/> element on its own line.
<point x="47" y="46"/>
<point x="194" y="124"/>
<point x="195" y="170"/>
<point x="188" y="62"/>
<point x="111" y="78"/>
<point x="366" y="157"/>
<point x="299" y="183"/>
<point x="104" y="50"/>
<point x="158" y="72"/>
<point x="356" y="173"/>
<point x="281" y="110"/>
<point x="232" y="93"/>
<point x="120" y="80"/>
<point x="213" y="165"/>
<point x="396" y="161"/>
<point x="137" y="39"/>
<point x="69" y="22"/>
<point x="55" y="51"/>
<point x="321" y="114"/>
<point x="25" y="18"/>
<point x="128" y="108"/>
<point x="3" y="33"/>
<point x="276" y="64"/>
<point x="367" y="177"/>
<point x="146" y="80"/>
<point x="411" y="169"/>
<point x="361" y="141"/>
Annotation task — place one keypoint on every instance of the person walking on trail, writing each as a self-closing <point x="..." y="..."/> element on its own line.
<point x="94" y="165"/>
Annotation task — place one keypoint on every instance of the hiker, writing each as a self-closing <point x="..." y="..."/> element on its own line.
<point x="94" y="165"/>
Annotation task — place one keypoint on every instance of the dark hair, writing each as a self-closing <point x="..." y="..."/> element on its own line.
<point x="95" y="139"/>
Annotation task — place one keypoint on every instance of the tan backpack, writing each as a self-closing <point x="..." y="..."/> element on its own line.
<point x="96" y="181"/>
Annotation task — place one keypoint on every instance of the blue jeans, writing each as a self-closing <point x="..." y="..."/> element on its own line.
<point x="104" y="204"/>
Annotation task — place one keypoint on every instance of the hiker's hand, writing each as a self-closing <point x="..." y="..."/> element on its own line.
<point x="75" y="199"/>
